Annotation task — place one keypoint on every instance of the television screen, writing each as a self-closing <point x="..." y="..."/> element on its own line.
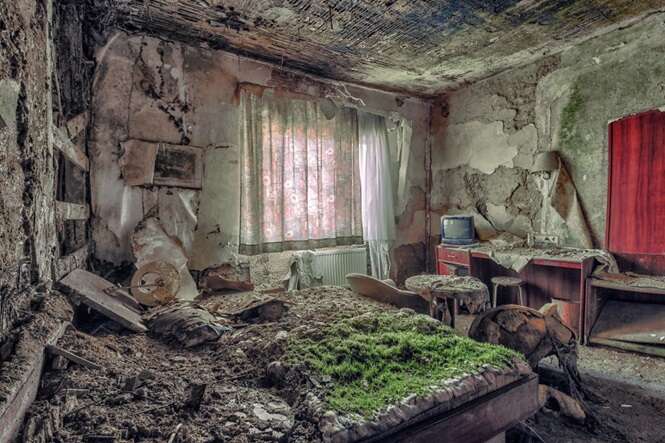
<point x="457" y="229"/>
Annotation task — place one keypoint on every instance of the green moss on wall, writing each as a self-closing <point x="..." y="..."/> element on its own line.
<point x="379" y="359"/>
<point x="571" y="139"/>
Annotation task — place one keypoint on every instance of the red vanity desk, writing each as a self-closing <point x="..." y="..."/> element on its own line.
<point x="548" y="278"/>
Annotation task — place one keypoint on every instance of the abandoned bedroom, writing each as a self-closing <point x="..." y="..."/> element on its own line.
<point x="332" y="221"/>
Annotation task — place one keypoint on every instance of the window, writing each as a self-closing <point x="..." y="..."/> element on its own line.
<point x="300" y="186"/>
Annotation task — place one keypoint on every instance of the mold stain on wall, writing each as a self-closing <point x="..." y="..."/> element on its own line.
<point x="569" y="101"/>
<point x="169" y="92"/>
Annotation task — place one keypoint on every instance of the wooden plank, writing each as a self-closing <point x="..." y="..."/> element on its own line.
<point x="598" y="283"/>
<point x="591" y="305"/>
<point x="72" y="152"/>
<point x="75" y="260"/>
<point x="474" y="422"/>
<point x="587" y="268"/>
<point x="53" y="349"/>
<point x="557" y="263"/>
<point x="71" y="211"/>
<point x="14" y="407"/>
<point x="90" y="289"/>
<point x="658" y="351"/>
<point x="124" y="297"/>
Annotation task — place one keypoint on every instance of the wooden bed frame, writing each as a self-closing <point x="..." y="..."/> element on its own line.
<point x="477" y="421"/>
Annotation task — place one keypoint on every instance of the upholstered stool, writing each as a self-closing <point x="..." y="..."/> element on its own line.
<point x="508" y="282"/>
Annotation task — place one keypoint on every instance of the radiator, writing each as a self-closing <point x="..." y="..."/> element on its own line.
<point x="334" y="264"/>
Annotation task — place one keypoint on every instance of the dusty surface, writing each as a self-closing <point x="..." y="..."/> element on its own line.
<point x="37" y="324"/>
<point x="239" y="405"/>
<point x="631" y="397"/>
<point x="253" y="390"/>
<point x="242" y="404"/>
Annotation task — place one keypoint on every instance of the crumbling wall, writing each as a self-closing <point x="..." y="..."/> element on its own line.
<point x="485" y="140"/>
<point x="607" y="78"/>
<point x="27" y="234"/>
<point x="159" y="91"/>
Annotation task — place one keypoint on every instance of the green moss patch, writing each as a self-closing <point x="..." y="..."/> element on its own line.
<point x="379" y="359"/>
<point x="571" y="140"/>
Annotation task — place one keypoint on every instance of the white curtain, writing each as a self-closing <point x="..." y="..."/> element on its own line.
<point x="299" y="175"/>
<point x="378" y="214"/>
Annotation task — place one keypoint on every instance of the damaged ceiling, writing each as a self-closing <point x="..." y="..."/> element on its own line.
<point x="414" y="46"/>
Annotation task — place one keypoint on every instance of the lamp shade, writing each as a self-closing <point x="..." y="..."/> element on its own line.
<point x="546" y="161"/>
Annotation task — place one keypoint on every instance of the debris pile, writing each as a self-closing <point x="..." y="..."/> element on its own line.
<point x="241" y="383"/>
<point x="185" y="323"/>
<point x="228" y="276"/>
<point x="536" y="335"/>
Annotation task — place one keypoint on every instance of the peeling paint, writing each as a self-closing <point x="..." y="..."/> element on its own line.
<point x="569" y="100"/>
<point x="137" y="73"/>
<point x="421" y="48"/>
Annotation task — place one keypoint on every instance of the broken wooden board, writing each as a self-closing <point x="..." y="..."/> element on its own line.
<point x="91" y="290"/>
<point x="70" y="150"/>
<point x="77" y="124"/>
<point x="658" y="351"/>
<point x="75" y="260"/>
<point x="642" y="323"/>
<point x="56" y="350"/>
<point x="71" y="211"/>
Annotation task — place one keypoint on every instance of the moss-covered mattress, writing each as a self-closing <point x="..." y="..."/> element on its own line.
<point x="379" y="370"/>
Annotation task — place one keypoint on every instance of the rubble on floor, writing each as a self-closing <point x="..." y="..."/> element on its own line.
<point x="240" y="387"/>
<point x="228" y="276"/>
<point x="185" y="323"/>
<point x="41" y="325"/>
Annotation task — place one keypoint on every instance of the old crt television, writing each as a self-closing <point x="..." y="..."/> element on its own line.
<point x="457" y="230"/>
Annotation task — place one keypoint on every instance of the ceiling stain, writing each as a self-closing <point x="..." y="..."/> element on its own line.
<point x="414" y="46"/>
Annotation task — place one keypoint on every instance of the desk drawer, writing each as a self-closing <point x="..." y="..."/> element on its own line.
<point x="443" y="268"/>
<point x="454" y="256"/>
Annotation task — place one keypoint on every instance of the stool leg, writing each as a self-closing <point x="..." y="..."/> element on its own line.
<point x="494" y="292"/>
<point x="521" y="296"/>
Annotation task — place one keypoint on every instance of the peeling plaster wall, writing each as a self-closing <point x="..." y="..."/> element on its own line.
<point x="27" y="233"/>
<point x="564" y="104"/>
<point x="164" y="91"/>
<point x="485" y="138"/>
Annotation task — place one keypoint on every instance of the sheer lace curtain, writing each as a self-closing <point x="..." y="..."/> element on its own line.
<point x="378" y="214"/>
<point x="300" y="184"/>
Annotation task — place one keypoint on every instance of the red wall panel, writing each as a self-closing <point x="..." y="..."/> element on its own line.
<point x="636" y="205"/>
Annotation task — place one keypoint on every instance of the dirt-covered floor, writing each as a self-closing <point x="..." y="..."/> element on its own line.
<point x="143" y="391"/>
<point x="630" y="391"/>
